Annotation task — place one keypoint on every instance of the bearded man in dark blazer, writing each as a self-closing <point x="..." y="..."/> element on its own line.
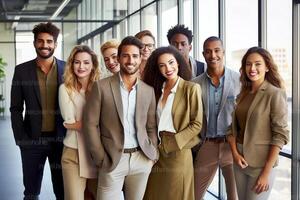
<point x="39" y="132"/>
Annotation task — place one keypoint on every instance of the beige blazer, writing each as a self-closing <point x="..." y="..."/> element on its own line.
<point x="187" y="115"/>
<point x="266" y="124"/>
<point x="103" y="122"/>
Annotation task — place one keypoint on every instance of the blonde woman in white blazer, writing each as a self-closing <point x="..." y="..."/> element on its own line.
<point x="259" y="125"/>
<point x="79" y="172"/>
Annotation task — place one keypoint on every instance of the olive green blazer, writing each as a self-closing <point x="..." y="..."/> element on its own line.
<point x="187" y="112"/>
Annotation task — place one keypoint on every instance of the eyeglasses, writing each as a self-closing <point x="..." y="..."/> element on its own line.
<point x="149" y="46"/>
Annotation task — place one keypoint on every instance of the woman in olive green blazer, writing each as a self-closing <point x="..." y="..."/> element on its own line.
<point x="259" y="125"/>
<point x="179" y="113"/>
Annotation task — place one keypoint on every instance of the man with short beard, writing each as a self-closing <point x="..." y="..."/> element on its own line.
<point x="120" y="125"/>
<point x="40" y="132"/>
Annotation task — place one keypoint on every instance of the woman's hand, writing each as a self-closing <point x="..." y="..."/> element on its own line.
<point x="261" y="184"/>
<point x="75" y="126"/>
<point x="240" y="160"/>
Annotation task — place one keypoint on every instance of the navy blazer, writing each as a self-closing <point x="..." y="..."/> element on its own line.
<point x="200" y="68"/>
<point x="25" y="89"/>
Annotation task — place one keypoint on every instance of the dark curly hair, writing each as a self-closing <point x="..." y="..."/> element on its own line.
<point x="152" y="75"/>
<point x="46" y="28"/>
<point x="180" y="29"/>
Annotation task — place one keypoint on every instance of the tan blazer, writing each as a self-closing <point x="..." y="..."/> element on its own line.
<point x="187" y="115"/>
<point x="103" y="122"/>
<point x="266" y="124"/>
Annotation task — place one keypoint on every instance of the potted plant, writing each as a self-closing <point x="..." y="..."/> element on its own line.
<point x="2" y="75"/>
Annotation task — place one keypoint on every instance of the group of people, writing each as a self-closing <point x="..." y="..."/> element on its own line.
<point x="158" y="128"/>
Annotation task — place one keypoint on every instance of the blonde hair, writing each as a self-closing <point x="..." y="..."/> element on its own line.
<point x="113" y="43"/>
<point x="70" y="79"/>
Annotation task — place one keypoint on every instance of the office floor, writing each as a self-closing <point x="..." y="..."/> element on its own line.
<point x="11" y="182"/>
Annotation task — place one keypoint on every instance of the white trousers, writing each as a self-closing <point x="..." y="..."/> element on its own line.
<point x="244" y="184"/>
<point x="131" y="174"/>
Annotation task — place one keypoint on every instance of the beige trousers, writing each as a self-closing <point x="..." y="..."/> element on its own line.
<point x="131" y="172"/>
<point x="212" y="155"/>
<point x="74" y="185"/>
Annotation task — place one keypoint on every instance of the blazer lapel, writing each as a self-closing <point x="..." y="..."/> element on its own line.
<point x="139" y="103"/>
<point x="60" y="71"/>
<point x="257" y="98"/>
<point x="178" y="96"/>
<point x="226" y="88"/>
<point x="205" y="95"/>
<point x="34" y="78"/>
<point x="115" y="87"/>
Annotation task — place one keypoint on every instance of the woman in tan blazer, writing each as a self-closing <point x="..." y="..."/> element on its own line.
<point x="79" y="171"/>
<point x="259" y="125"/>
<point x="179" y="116"/>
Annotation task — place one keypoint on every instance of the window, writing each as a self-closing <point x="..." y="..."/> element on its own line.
<point x="207" y="28"/>
<point x="149" y="19"/>
<point x="242" y="31"/>
<point x="134" y="24"/>
<point x="169" y="18"/>
<point x="188" y="13"/>
<point x="279" y="44"/>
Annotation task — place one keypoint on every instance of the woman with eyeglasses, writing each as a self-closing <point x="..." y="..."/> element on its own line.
<point x="149" y="46"/>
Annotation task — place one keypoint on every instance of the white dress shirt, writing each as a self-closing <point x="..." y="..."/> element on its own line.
<point x="129" y="104"/>
<point x="164" y="114"/>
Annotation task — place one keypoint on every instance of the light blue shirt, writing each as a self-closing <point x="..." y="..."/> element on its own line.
<point x="215" y="98"/>
<point x="129" y="104"/>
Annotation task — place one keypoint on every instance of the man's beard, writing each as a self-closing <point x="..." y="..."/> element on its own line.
<point x="127" y="72"/>
<point x="51" y="52"/>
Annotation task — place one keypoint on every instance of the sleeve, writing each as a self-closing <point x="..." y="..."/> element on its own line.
<point x="278" y="115"/>
<point x="66" y="105"/>
<point x="151" y="125"/>
<point x="17" y="108"/>
<point x="90" y="125"/>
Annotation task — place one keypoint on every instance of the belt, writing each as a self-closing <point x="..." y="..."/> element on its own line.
<point x="216" y="140"/>
<point x="131" y="150"/>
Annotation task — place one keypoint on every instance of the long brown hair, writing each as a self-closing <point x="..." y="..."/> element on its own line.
<point x="272" y="76"/>
<point x="70" y="80"/>
<point x="152" y="75"/>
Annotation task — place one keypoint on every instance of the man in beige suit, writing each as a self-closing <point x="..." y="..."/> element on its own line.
<point x="120" y="123"/>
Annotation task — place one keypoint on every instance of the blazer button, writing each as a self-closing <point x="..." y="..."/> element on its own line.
<point x="120" y="150"/>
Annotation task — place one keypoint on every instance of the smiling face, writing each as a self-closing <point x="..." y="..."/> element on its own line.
<point x="82" y="65"/>
<point x="44" y="45"/>
<point x="110" y="57"/>
<point x="149" y="46"/>
<point x="129" y="59"/>
<point x="214" y="54"/>
<point x="168" y="66"/>
<point x="256" y="68"/>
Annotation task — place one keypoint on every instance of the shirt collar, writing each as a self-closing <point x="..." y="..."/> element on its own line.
<point x="221" y="78"/>
<point x="174" y="89"/>
<point x="122" y="84"/>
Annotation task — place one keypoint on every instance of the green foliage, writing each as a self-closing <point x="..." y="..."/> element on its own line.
<point x="2" y="65"/>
